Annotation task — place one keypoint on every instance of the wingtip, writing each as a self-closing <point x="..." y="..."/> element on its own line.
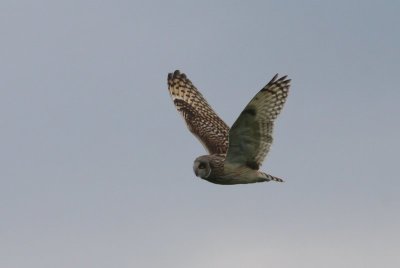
<point x="176" y="74"/>
<point x="276" y="79"/>
<point x="273" y="79"/>
<point x="282" y="78"/>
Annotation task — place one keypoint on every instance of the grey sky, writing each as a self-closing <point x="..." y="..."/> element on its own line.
<point x="96" y="164"/>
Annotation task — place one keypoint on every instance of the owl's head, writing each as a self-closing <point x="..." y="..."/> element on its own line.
<point x="202" y="166"/>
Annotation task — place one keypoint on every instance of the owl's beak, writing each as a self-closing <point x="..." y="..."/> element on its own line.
<point x="196" y="172"/>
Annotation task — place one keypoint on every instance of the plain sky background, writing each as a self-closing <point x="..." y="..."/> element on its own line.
<point x="96" y="163"/>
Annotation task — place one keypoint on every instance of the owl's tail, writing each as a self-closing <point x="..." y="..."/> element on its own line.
<point x="268" y="177"/>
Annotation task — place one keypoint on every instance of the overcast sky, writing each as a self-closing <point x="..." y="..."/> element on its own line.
<point x="96" y="163"/>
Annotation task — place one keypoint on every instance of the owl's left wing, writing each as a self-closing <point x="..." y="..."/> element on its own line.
<point x="200" y="118"/>
<point x="251" y="135"/>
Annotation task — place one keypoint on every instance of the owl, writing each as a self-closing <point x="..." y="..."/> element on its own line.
<point x="236" y="153"/>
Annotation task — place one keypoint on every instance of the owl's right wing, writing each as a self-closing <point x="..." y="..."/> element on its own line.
<point x="251" y="135"/>
<point x="200" y="118"/>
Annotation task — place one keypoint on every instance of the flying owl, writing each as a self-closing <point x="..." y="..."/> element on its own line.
<point x="235" y="154"/>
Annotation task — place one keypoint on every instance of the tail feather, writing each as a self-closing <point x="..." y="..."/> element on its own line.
<point x="268" y="177"/>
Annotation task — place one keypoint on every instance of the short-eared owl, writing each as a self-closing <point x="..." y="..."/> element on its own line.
<point x="235" y="154"/>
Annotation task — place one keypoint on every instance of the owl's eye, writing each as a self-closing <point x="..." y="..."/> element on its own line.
<point x="202" y="165"/>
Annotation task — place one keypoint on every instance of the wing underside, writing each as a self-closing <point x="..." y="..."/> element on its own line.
<point x="250" y="137"/>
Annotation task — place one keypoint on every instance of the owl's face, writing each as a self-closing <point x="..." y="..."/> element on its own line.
<point x="202" y="167"/>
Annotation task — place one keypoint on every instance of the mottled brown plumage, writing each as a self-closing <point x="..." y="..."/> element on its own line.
<point x="200" y="118"/>
<point x="235" y="154"/>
